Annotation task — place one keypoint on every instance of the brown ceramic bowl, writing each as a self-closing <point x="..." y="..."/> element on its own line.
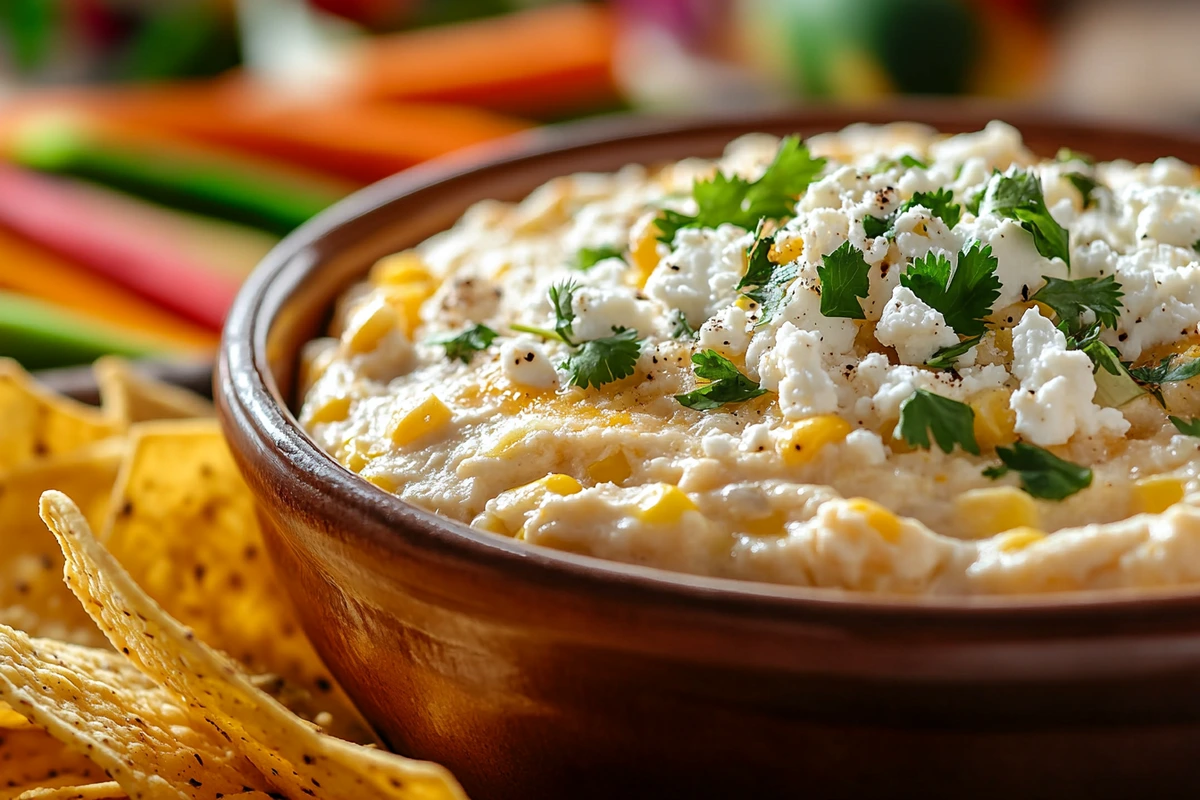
<point x="538" y="674"/>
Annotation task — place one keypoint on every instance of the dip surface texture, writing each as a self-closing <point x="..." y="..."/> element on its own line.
<point x="882" y="359"/>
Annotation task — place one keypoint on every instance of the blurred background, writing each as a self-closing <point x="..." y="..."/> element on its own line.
<point x="151" y="151"/>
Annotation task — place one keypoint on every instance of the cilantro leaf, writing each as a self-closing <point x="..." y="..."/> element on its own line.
<point x="940" y="204"/>
<point x="732" y="199"/>
<point x="728" y="384"/>
<point x="912" y="161"/>
<point x="588" y="257"/>
<point x="1042" y="473"/>
<point x="874" y="227"/>
<point x="770" y="280"/>
<point x="562" y="296"/>
<point x="1188" y="427"/>
<point x="965" y="297"/>
<point x="680" y="328"/>
<point x="950" y="421"/>
<point x="1196" y="245"/>
<point x="1114" y="385"/>
<point x="945" y="358"/>
<point x="604" y="360"/>
<point x="1085" y="184"/>
<point x="466" y="344"/>
<point x="1069" y="299"/>
<point x="1168" y="371"/>
<point x="1066" y="154"/>
<point x="975" y="201"/>
<point x="845" y="277"/>
<point x="1019" y="196"/>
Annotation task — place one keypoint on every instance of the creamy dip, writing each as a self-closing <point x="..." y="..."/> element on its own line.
<point x="831" y="363"/>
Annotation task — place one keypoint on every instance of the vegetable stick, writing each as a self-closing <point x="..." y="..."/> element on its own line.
<point x="187" y="176"/>
<point x="82" y="229"/>
<point x="542" y="61"/>
<point x="28" y="269"/>
<point x="41" y="336"/>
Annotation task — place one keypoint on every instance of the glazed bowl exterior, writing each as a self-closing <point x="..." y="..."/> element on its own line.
<point x="537" y="674"/>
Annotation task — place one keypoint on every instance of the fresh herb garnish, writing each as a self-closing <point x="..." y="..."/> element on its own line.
<point x="1070" y="299"/>
<point x="728" y="384"/>
<point x="1169" y="370"/>
<point x="1042" y="473"/>
<point x="940" y="204"/>
<point x="604" y="360"/>
<point x="975" y="200"/>
<point x="1196" y="245"/>
<point x="562" y="297"/>
<point x="912" y="161"/>
<point x="950" y="422"/>
<point x="947" y="356"/>
<point x="731" y="199"/>
<point x="964" y="294"/>
<point x="1019" y="196"/>
<point x="680" y="328"/>
<point x="466" y="344"/>
<point x="588" y="257"/>
<point x="845" y="277"/>
<point x="767" y="281"/>
<point x="1114" y="385"/>
<point x="1188" y="427"/>
<point x="1066" y="154"/>
<point x="1085" y="184"/>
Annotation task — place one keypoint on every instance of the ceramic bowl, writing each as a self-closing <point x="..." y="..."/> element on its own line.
<point x="533" y="673"/>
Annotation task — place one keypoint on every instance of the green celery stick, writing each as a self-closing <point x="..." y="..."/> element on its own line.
<point x="40" y="336"/>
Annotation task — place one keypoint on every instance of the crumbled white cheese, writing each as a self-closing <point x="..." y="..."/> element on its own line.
<point x="1054" y="401"/>
<point x="700" y="273"/>
<point x="599" y="311"/>
<point x="525" y="363"/>
<point x="916" y="330"/>
<point x="726" y="332"/>
<point x="794" y="368"/>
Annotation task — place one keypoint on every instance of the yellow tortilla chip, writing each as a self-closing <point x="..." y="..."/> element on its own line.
<point x="300" y="759"/>
<point x="31" y="758"/>
<point x="183" y="525"/>
<point x="108" y="790"/>
<point x="37" y="423"/>
<point x="129" y="396"/>
<point x="98" y="703"/>
<point x="33" y="597"/>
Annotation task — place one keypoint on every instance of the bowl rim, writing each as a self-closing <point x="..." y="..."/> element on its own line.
<point x="252" y="404"/>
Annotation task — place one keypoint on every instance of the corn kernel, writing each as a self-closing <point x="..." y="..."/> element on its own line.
<point x="431" y="415"/>
<point x="985" y="512"/>
<point x="407" y="302"/>
<point x="745" y="302"/>
<point x="786" y="251"/>
<point x="1155" y="495"/>
<point x="664" y="505"/>
<point x="368" y="324"/>
<point x="385" y="482"/>
<point x="557" y="483"/>
<point x="613" y="468"/>
<point x="774" y="524"/>
<point x="1018" y="539"/>
<point x="995" y="422"/>
<point x="401" y="268"/>
<point x="808" y="437"/>
<point x="643" y="249"/>
<point x="885" y="523"/>
<point x="334" y="409"/>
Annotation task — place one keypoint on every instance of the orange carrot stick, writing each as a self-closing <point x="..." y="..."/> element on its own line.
<point x="543" y="61"/>
<point x="30" y="270"/>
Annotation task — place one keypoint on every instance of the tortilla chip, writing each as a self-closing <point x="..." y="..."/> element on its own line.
<point x="298" y="757"/>
<point x="97" y="702"/>
<point x="129" y="396"/>
<point x="33" y="597"/>
<point x="183" y="525"/>
<point x="38" y="423"/>
<point x="31" y="758"/>
<point x="108" y="790"/>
